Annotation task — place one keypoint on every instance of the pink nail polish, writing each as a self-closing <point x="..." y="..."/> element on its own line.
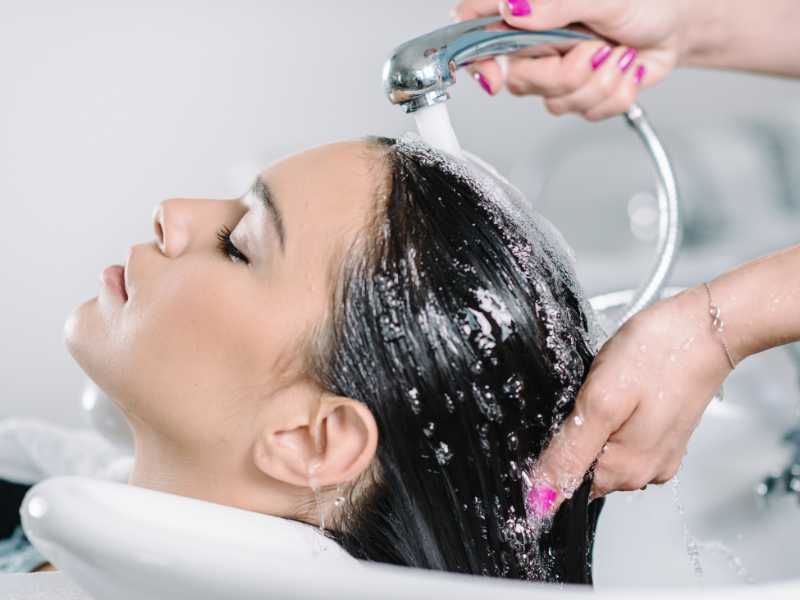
<point x="599" y="57"/>
<point x="639" y="75"/>
<point x="540" y="499"/>
<point x="626" y="60"/>
<point x="484" y="83"/>
<point x="519" y="8"/>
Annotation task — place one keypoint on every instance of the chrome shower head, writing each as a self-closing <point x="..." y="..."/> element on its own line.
<point x="418" y="72"/>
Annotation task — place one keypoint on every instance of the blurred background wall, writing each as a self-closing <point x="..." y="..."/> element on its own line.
<point x="109" y="107"/>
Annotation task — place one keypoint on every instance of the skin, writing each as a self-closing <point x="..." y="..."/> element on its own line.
<point x="207" y="357"/>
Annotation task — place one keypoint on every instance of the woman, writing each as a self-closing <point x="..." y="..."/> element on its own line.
<point x="374" y="339"/>
<point x="639" y="408"/>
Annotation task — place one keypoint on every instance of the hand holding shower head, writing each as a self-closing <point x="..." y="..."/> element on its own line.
<point x="417" y="74"/>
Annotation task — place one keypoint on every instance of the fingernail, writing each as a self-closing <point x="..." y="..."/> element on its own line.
<point x="639" y="75"/>
<point x="484" y="83"/>
<point x="626" y="60"/>
<point x="540" y="499"/>
<point x="519" y="8"/>
<point x="599" y="57"/>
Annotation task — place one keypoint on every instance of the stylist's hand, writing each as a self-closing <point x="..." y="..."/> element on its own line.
<point x="642" y="399"/>
<point x="589" y="79"/>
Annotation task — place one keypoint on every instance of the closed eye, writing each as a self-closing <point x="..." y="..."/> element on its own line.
<point x="228" y="248"/>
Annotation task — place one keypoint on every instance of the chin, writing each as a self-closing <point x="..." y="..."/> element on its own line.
<point x="86" y="336"/>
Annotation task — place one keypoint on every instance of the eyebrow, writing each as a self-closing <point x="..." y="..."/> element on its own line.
<point x="263" y="192"/>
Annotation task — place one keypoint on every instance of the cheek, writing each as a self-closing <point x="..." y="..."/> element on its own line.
<point x="206" y="344"/>
<point x="191" y="350"/>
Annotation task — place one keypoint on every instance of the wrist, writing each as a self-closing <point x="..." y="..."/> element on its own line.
<point x="694" y="306"/>
<point x="702" y="31"/>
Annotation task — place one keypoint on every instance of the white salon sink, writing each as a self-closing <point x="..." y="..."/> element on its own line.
<point x="641" y="537"/>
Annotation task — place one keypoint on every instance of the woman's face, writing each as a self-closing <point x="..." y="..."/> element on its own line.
<point x="198" y="345"/>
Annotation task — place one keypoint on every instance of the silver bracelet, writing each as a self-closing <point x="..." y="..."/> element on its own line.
<point x="717" y="325"/>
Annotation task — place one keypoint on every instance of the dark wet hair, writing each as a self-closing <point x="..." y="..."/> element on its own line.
<point x="443" y="331"/>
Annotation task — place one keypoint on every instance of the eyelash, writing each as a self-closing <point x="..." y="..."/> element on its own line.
<point x="228" y="248"/>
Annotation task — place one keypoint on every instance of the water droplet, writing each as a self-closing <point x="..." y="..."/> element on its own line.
<point x="483" y="436"/>
<point x="382" y="282"/>
<point x="512" y="388"/>
<point x="339" y="501"/>
<point x="390" y="330"/>
<point x="477" y="367"/>
<point x="485" y="344"/>
<point x="443" y="454"/>
<point x="513" y="470"/>
<point x="497" y="310"/>
<point x="487" y="403"/>
<point x="578" y="420"/>
<point x="513" y="441"/>
<point x="479" y="508"/>
<point x="449" y="404"/>
<point x="429" y="428"/>
<point x="568" y="486"/>
<point x="413" y="398"/>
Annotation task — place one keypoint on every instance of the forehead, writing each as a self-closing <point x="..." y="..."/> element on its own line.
<point x="326" y="196"/>
<point x="342" y="175"/>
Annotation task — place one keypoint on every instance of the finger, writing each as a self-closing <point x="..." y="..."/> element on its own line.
<point x="612" y="475"/>
<point x="619" y="102"/>
<point x="474" y="9"/>
<point x="642" y="450"/>
<point x="488" y="74"/>
<point x="622" y="99"/>
<point x="562" y="465"/>
<point x="602" y="476"/>
<point x="619" y="469"/>
<point x="551" y="14"/>
<point x="671" y="469"/>
<point x="602" y="84"/>
<point x="553" y="76"/>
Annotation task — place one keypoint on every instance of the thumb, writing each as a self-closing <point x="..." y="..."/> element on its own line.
<point x="562" y="465"/>
<point x="537" y="15"/>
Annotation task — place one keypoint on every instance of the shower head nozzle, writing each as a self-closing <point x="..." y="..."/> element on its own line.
<point x="418" y="72"/>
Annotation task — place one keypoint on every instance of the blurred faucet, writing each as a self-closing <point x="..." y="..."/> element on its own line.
<point x="786" y="481"/>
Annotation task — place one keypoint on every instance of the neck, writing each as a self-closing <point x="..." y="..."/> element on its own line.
<point x="223" y="474"/>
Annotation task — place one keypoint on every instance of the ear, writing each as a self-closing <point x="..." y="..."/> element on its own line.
<point x="332" y="446"/>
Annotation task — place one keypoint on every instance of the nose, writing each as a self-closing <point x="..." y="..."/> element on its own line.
<point x="170" y="227"/>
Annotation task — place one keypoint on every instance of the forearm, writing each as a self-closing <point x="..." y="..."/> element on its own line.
<point x="750" y="35"/>
<point x="759" y="302"/>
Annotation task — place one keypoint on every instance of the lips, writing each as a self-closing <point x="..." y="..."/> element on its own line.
<point x="114" y="278"/>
